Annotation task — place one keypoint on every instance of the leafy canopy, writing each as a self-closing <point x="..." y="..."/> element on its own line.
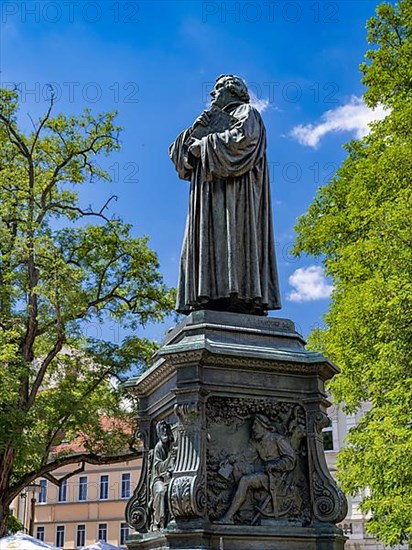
<point x="361" y="224"/>
<point x="63" y="266"/>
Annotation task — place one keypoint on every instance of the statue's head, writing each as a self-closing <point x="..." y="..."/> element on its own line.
<point x="228" y="89"/>
<point x="261" y="425"/>
<point x="164" y="432"/>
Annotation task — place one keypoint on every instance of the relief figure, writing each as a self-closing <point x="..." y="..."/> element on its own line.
<point x="278" y="458"/>
<point x="163" y="463"/>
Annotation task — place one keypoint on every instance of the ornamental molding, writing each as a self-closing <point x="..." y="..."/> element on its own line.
<point x="166" y="369"/>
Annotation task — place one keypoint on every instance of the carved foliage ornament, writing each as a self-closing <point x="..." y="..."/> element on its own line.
<point x="187" y="498"/>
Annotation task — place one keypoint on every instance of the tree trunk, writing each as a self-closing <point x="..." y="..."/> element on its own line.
<point x="6" y="465"/>
<point x="4" y="516"/>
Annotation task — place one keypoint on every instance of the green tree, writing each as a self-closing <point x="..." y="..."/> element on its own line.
<point x="14" y="525"/>
<point x="59" y="272"/>
<point x="361" y="225"/>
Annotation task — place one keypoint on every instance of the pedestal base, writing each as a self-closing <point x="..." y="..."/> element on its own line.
<point x="231" y="418"/>
<point x="318" y="537"/>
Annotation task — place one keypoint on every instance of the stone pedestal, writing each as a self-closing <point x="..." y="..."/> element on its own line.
<point x="246" y="405"/>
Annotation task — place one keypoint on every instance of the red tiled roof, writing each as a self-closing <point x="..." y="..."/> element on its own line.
<point x="78" y="444"/>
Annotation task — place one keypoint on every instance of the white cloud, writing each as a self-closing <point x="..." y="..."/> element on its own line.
<point x="259" y="104"/>
<point x="309" y="283"/>
<point x="355" y="117"/>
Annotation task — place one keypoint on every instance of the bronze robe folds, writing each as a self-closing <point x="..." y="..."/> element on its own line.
<point x="228" y="250"/>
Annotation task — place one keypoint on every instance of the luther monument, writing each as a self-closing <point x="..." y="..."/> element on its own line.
<point x="233" y="407"/>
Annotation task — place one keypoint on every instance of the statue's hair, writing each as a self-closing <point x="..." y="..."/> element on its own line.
<point x="236" y="86"/>
<point x="267" y="423"/>
<point x="160" y="425"/>
<point x="263" y="420"/>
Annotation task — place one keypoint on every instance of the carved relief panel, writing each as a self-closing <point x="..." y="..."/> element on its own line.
<point x="257" y="463"/>
<point x="236" y="461"/>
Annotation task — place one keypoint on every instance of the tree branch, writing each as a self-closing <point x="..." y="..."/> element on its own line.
<point x="63" y="164"/>
<point x="88" y="458"/>
<point x="43" y="122"/>
<point x="17" y="139"/>
<point x="42" y="370"/>
<point x="59" y="481"/>
<point x="71" y="209"/>
<point x="65" y="418"/>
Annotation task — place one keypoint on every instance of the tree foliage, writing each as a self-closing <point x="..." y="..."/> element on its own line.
<point x="63" y="266"/>
<point x="361" y="224"/>
<point x="14" y="525"/>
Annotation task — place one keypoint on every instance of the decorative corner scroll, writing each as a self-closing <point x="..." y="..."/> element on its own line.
<point x="188" y="412"/>
<point x="321" y="421"/>
<point x="329" y="502"/>
<point x="137" y="512"/>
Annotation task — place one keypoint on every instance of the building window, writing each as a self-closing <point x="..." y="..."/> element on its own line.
<point x="63" y="491"/>
<point x="104" y="487"/>
<point x="328" y="438"/>
<point x="102" y="532"/>
<point x="60" y="536"/>
<point x="83" y="488"/>
<point x="43" y="491"/>
<point x="125" y="491"/>
<point x="124" y="533"/>
<point x="40" y="532"/>
<point x="80" y="536"/>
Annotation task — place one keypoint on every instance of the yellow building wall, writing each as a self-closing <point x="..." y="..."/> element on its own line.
<point x="73" y="512"/>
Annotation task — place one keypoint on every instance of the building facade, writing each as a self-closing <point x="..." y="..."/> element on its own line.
<point x="89" y="506"/>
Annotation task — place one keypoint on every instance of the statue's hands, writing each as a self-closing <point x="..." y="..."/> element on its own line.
<point x="202" y="119"/>
<point x="272" y="466"/>
<point x="194" y="147"/>
<point x="173" y="451"/>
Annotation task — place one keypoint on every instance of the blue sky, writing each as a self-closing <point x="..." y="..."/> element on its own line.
<point x="155" y="62"/>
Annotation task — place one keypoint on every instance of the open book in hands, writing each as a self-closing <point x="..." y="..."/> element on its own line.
<point x="219" y="121"/>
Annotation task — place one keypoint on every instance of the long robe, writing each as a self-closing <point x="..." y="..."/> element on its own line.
<point x="161" y="475"/>
<point x="228" y="249"/>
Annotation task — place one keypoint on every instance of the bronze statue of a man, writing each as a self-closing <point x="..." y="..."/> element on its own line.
<point x="228" y="256"/>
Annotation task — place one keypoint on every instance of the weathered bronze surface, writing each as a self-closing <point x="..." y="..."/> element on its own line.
<point x="228" y="258"/>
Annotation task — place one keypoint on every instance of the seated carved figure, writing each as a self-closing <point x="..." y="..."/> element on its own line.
<point x="162" y="469"/>
<point x="277" y="456"/>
